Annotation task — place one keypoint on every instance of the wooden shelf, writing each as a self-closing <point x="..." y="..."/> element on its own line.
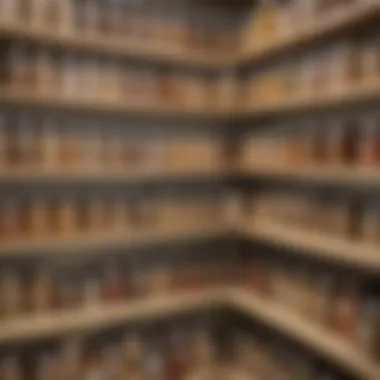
<point x="99" y="317"/>
<point x="331" y="346"/>
<point x="287" y="44"/>
<point x="11" y="97"/>
<point x="324" y="173"/>
<point x="309" y="243"/>
<point x="343" y="98"/>
<point x="153" y="51"/>
<point x="89" y="242"/>
<point x="105" y="175"/>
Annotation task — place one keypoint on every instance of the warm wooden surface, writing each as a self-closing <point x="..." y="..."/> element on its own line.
<point x="98" y="316"/>
<point x="355" y="174"/>
<point x="339" y="98"/>
<point x="13" y="97"/>
<point x="154" y="51"/>
<point x="87" y="242"/>
<point x="310" y="243"/>
<point x="334" y="348"/>
<point x="87" y="174"/>
<point x="344" y="21"/>
<point x="328" y="344"/>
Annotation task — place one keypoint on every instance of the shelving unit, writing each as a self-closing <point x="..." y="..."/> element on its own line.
<point x="237" y="66"/>
<point x="311" y="243"/>
<point x="317" y="338"/>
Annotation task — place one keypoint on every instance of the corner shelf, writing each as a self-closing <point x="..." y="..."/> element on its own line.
<point x="344" y="22"/>
<point x="313" y="244"/>
<point x="318" y="338"/>
<point x="102" y="316"/>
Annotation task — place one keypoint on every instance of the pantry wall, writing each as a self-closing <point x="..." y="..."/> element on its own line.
<point x="189" y="190"/>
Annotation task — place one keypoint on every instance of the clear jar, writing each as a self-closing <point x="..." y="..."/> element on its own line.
<point x="11" y="295"/>
<point x="41" y="296"/>
<point x="10" y="369"/>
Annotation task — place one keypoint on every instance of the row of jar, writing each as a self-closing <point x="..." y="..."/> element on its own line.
<point x="51" y="144"/>
<point x="177" y="353"/>
<point x="28" y="291"/>
<point x="87" y="78"/>
<point x="109" y="213"/>
<point x="346" y="65"/>
<point x="272" y="22"/>
<point x="337" y="303"/>
<point x="336" y="216"/>
<point x="269" y="357"/>
<point x="350" y="141"/>
<point x="123" y="21"/>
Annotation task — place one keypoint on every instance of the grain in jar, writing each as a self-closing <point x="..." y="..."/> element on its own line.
<point x="25" y="141"/>
<point x="69" y="74"/>
<point x="345" y="313"/>
<point x="177" y="358"/>
<point x="21" y="71"/>
<point x="370" y="231"/>
<point x="92" y="146"/>
<point x="112" y="363"/>
<point x="369" y="141"/>
<point x="368" y="337"/>
<point x="49" y="144"/>
<point x="67" y="220"/>
<point x="69" y="145"/>
<point x="339" y="218"/>
<point x="46" y="73"/>
<point x="91" y="292"/>
<point x="89" y="19"/>
<point x="335" y="141"/>
<point x="66" y="16"/>
<point x="323" y="300"/>
<point x="91" y="75"/>
<point x="70" y="359"/>
<point x="38" y="216"/>
<point x="46" y="367"/>
<point x="371" y="57"/>
<point x="10" y="369"/>
<point x="11" y="214"/>
<point x="41" y="291"/>
<point x="96" y="212"/>
<point x="132" y="352"/>
<point x="11" y="294"/>
<point x="113" y="287"/>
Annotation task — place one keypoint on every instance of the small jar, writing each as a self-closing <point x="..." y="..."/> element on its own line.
<point x="47" y="367"/>
<point x="3" y="142"/>
<point x="133" y="355"/>
<point x="69" y="76"/>
<point x="335" y="142"/>
<point x="66" y="17"/>
<point x="371" y="57"/>
<point x="113" y="289"/>
<point x="346" y="311"/>
<point x="46" y="73"/>
<point x="39" y="216"/>
<point x="21" y="76"/>
<point x="371" y="224"/>
<point x="92" y="292"/>
<point x="96" y="212"/>
<point x="41" y="296"/>
<point x="10" y="369"/>
<point x="10" y="221"/>
<point x="369" y="141"/>
<point x="369" y="328"/>
<point x="11" y="295"/>
<point x="70" y="359"/>
<point x="26" y="143"/>
<point x="67" y="215"/>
